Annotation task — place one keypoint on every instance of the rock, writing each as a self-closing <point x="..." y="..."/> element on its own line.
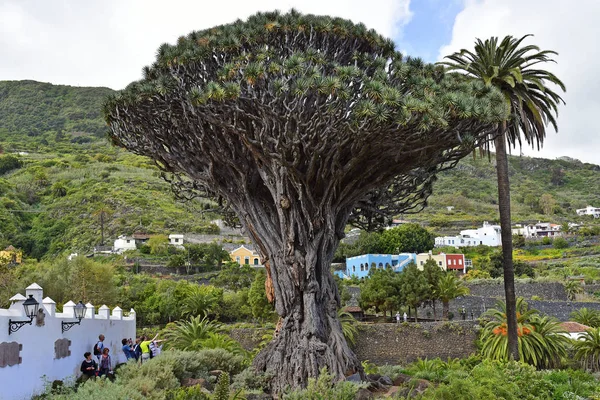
<point x="385" y="380"/>
<point x="193" y="382"/>
<point x="354" y="378"/>
<point x="363" y="394"/>
<point x="373" y="377"/>
<point x="215" y="372"/>
<point x="375" y="386"/>
<point x="401" y="379"/>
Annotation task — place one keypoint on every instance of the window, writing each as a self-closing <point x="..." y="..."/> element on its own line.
<point x="362" y="267"/>
<point x="176" y="240"/>
<point x="255" y="261"/>
<point x="128" y="241"/>
<point x="421" y="262"/>
<point x="354" y="268"/>
<point x="439" y="262"/>
<point x="237" y="260"/>
<point x="381" y="265"/>
<point x="460" y="261"/>
<point x="388" y="266"/>
<point x="247" y="260"/>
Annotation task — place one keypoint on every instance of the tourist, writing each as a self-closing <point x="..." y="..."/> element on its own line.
<point x="398" y="317"/>
<point x="137" y="349"/>
<point x="105" y="364"/>
<point x="88" y="367"/>
<point x="155" y="349"/>
<point x="127" y="349"/>
<point x="99" y="346"/>
<point x="405" y="317"/>
<point x="145" y="346"/>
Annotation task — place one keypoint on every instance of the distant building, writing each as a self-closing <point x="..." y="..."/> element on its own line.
<point x="176" y="240"/>
<point x="487" y="235"/>
<point x="124" y="243"/>
<point x="589" y="210"/>
<point x="360" y="266"/>
<point x="245" y="256"/>
<point x="10" y="255"/>
<point x="541" y="229"/>
<point x="574" y="329"/>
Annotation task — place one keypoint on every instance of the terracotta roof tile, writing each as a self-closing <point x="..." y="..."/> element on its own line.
<point x="573" y="327"/>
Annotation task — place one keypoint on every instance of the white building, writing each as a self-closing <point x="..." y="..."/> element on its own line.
<point x="487" y="235"/>
<point x="124" y="243"/>
<point x="176" y="240"/>
<point x="589" y="210"/>
<point x="51" y="347"/>
<point x="541" y="229"/>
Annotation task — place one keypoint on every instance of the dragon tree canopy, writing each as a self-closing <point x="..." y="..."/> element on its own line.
<point x="302" y="123"/>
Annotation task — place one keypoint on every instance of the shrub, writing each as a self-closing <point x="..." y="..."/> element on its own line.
<point x="324" y="389"/>
<point x="546" y="240"/>
<point x="249" y="379"/>
<point x="560" y="243"/>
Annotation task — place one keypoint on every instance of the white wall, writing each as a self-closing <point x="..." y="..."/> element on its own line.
<point x="23" y="380"/>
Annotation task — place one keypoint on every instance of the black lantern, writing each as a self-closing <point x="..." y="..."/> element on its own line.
<point x="31" y="308"/>
<point x="79" y="314"/>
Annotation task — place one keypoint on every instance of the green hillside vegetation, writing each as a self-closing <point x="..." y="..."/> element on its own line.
<point x="67" y="174"/>
<point x="52" y="193"/>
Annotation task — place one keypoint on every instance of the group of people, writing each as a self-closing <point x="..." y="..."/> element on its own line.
<point x="143" y="349"/>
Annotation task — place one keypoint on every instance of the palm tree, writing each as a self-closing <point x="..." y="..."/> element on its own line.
<point x="542" y="340"/>
<point x="573" y="288"/>
<point x="188" y="335"/>
<point x="587" y="316"/>
<point x="587" y="350"/>
<point x="513" y="69"/>
<point x="448" y="288"/>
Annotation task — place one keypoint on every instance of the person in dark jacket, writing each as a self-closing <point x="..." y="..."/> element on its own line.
<point x="88" y="367"/>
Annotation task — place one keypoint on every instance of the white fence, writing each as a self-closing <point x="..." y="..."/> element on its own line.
<point x="42" y="352"/>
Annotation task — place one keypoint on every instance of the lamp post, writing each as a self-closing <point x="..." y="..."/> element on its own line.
<point x="31" y="308"/>
<point x="79" y="314"/>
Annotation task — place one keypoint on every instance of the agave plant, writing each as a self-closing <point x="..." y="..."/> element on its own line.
<point x="542" y="341"/>
<point x="587" y="350"/>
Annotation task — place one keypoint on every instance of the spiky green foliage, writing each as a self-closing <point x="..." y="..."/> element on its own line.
<point x="188" y="335"/>
<point x="448" y="288"/>
<point x="573" y="288"/>
<point x="349" y="325"/>
<point x="514" y="69"/>
<point x="222" y="388"/>
<point x="542" y="340"/>
<point x="587" y="316"/>
<point x="587" y="349"/>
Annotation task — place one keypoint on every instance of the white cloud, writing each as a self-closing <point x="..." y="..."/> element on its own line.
<point x="107" y="42"/>
<point x="569" y="27"/>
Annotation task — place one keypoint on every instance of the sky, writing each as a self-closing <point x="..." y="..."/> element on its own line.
<point x="107" y="42"/>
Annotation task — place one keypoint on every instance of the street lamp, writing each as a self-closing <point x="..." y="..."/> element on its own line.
<point x="79" y="314"/>
<point x="31" y="308"/>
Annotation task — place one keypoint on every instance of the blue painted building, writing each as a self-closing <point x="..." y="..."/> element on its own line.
<point x="360" y="266"/>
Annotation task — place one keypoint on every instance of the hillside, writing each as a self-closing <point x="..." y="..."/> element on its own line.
<point x="67" y="174"/>
<point x="70" y="174"/>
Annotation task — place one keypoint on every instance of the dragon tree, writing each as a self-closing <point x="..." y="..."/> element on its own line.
<point x="300" y="125"/>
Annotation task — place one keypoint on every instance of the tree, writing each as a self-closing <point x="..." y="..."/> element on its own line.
<point x="159" y="244"/>
<point x="587" y="316"/>
<point x="201" y="300"/>
<point x="103" y="212"/>
<point x="277" y="119"/>
<point x="587" y="350"/>
<point x="407" y="238"/>
<point x="547" y="204"/>
<point x="257" y="297"/>
<point x="235" y="277"/>
<point x="542" y="340"/>
<point x="413" y="287"/>
<point x="381" y="291"/>
<point x="573" y="288"/>
<point x="449" y="288"/>
<point x="513" y="69"/>
<point x="433" y="273"/>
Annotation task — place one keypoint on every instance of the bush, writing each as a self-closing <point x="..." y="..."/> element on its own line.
<point x="560" y="243"/>
<point x="546" y="241"/>
<point x="324" y="389"/>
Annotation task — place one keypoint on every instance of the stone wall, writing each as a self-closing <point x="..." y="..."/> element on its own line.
<point x="544" y="290"/>
<point x="249" y="338"/>
<point x="402" y="343"/>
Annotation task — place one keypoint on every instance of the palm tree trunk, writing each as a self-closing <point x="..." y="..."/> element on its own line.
<point x="506" y="236"/>
<point x="445" y="309"/>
